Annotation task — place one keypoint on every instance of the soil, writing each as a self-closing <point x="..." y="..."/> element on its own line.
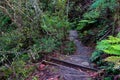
<point x="61" y="72"/>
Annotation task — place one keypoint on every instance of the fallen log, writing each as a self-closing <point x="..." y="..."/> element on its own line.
<point x="55" y="61"/>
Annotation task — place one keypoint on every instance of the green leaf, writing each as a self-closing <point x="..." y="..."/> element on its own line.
<point x="86" y="21"/>
<point x="115" y="60"/>
<point x="110" y="45"/>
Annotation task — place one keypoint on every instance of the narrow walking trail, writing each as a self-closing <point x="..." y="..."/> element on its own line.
<point x="68" y="67"/>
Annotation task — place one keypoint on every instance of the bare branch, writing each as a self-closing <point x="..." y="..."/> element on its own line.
<point x="6" y="12"/>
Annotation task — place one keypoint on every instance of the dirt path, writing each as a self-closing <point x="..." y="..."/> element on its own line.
<point x="53" y="70"/>
<point x="78" y="65"/>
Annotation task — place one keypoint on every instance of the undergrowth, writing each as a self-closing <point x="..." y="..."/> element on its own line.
<point x="30" y="29"/>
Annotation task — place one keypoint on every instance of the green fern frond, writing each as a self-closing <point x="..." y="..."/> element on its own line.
<point x="115" y="60"/>
<point x="104" y="4"/>
<point x="93" y="14"/>
<point x="113" y="39"/>
<point x="110" y="45"/>
<point x="97" y="3"/>
<point x="112" y="51"/>
<point x="116" y="47"/>
<point x="103" y="45"/>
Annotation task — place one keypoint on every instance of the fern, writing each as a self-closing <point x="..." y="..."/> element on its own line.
<point x="96" y="10"/>
<point x="93" y="14"/>
<point x="83" y="23"/>
<point x="110" y="46"/>
<point x="103" y="4"/>
<point x="96" y="55"/>
<point x="115" y="60"/>
<point x="97" y="3"/>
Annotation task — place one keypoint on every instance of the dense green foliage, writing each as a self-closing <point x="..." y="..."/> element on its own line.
<point x="99" y="9"/>
<point x="38" y="29"/>
<point x="30" y="29"/>
<point x="110" y="46"/>
<point x="28" y="32"/>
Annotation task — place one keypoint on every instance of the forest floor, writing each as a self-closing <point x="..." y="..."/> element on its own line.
<point x="66" y="67"/>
